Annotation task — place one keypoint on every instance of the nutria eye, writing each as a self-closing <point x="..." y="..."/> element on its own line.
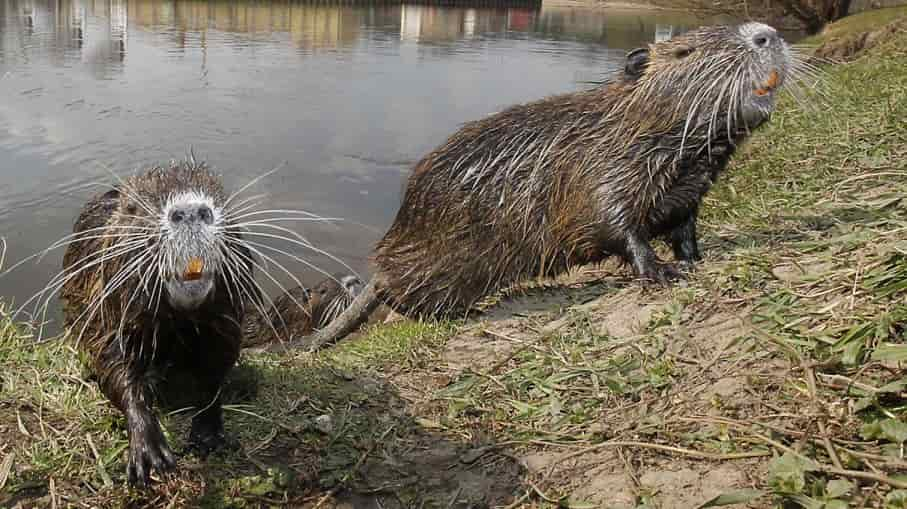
<point x="683" y="52"/>
<point x="131" y="209"/>
<point x="205" y="214"/>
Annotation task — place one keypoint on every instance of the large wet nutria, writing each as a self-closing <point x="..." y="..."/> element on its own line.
<point x="301" y="311"/>
<point x="155" y="281"/>
<point x="571" y="179"/>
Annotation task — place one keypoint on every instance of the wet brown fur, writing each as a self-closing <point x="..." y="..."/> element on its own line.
<point x="571" y="179"/>
<point x="137" y="343"/>
<point x="557" y="183"/>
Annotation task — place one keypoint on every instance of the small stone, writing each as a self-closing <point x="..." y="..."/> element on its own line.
<point x="324" y="424"/>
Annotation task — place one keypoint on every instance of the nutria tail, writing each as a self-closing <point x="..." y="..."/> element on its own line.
<point x="346" y="322"/>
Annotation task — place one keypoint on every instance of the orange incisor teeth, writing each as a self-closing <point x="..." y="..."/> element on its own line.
<point x="194" y="269"/>
<point x="769" y="85"/>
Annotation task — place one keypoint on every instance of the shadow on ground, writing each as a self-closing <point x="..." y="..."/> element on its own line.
<point x="301" y="436"/>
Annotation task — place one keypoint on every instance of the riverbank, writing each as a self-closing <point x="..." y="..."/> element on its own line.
<point x="775" y="373"/>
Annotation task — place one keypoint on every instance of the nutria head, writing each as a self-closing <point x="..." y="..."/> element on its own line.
<point x="332" y="296"/>
<point x="187" y="236"/>
<point x="709" y="80"/>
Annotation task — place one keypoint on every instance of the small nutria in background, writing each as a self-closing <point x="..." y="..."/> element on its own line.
<point x="569" y="180"/>
<point x="286" y="320"/>
<point x="156" y="280"/>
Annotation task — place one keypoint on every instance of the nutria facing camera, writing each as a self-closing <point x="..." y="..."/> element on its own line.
<point x="568" y="180"/>
<point x="155" y="281"/>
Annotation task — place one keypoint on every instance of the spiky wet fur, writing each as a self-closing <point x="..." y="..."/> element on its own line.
<point x="140" y="348"/>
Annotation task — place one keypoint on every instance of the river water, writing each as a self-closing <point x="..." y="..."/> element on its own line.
<point x="342" y="98"/>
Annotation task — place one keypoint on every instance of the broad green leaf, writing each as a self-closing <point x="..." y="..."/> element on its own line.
<point x="894" y="430"/>
<point x="807" y="502"/>
<point x="871" y="430"/>
<point x="864" y="403"/>
<point x="838" y="488"/>
<point x="897" y="499"/>
<point x="733" y="497"/>
<point x="852" y="353"/>
<point x="890" y="352"/>
<point x="787" y="473"/>
<point x="896" y="386"/>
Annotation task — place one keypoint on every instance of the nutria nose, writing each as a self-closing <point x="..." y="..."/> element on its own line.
<point x="200" y="213"/>
<point x="765" y="37"/>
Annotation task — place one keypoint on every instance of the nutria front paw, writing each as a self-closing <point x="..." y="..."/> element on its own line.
<point x="662" y="274"/>
<point x="147" y="453"/>
<point x="687" y="266"/>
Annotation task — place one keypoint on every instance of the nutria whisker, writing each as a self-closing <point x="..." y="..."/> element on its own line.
<point x="281" y="211"/>
<point x="123" y="187"/>
<point x="255" y="286"/>
<point x="344" y="299"/>
<point x="247" y="286"/>
<point x="122" y="275"/>
<point x="250" y="184"/>
<point x="296" y="238"/>
<point x="96" y="304"/>
<point x="287" y="254"/>
<point x="252" y="289"/>
<point x="44" y="295"/>
<point x="285" y="219"/>
<point x="65" y="241"/>
<point x="252" y="246"/>
<point x="248" y="203"/>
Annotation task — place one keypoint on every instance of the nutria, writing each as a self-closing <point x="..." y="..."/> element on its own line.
<point x="287" y="320"/>
<point x="571" y="179"/>
<point x="156" y="279"/>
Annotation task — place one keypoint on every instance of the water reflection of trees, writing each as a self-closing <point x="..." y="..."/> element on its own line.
<point x="95" y="31"/>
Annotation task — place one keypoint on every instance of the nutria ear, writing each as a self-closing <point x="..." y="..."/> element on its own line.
<point x="636" y="62"/>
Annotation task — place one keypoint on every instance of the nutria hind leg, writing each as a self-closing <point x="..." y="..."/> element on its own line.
<point x="207" y="433"/>
<point x="210" y="371"/>
<point x="684" y="242"/>
<point x="639" y="253"/>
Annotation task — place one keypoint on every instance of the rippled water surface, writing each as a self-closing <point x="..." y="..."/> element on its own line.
<point x="342" y="98"/>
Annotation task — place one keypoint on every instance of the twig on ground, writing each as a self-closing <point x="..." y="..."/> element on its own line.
<point x="811" y="384"/>
<point x="105" y="477"/>
<point x="665" y="448"/>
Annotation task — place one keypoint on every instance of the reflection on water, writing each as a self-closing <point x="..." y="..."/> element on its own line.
<point x="342" y="97"/>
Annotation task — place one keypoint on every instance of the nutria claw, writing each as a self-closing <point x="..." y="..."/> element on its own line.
<point x="662" y="274"/>
<point x="146" y="454"/>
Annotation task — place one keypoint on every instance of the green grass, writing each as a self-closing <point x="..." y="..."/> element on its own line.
<point x="864" y="21"/>
<point x="806" y="240"/>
